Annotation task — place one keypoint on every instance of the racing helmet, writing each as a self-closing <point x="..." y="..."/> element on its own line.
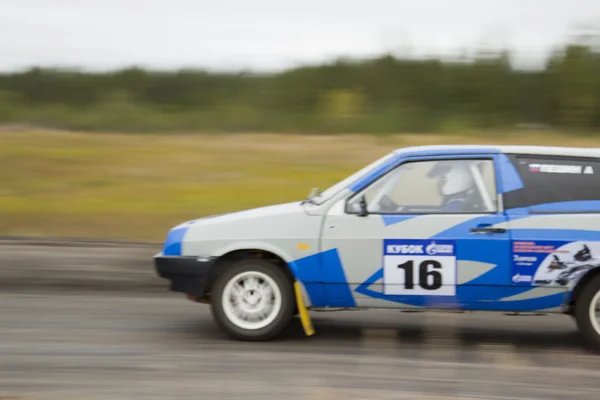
<point x="453" y="177"/>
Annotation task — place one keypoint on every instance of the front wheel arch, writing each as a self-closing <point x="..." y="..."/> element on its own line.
<point x="231" y="257"/>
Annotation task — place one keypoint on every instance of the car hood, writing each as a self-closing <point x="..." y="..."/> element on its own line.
<point x="270" y="222"/>
<point x="260" y="212"/>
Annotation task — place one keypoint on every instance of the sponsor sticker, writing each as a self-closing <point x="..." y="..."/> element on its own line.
<point x="518" y="278"/>
<point x="558" y="169"/>
<point x="552" y="262"/>
<point x="419" y="267"/>
<point x="425" y="247"/>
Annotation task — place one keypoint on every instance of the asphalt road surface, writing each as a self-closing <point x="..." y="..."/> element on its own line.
<point x="74" y="345"/>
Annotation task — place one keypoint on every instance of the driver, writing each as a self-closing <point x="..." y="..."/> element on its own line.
<point x="455" y="184"/>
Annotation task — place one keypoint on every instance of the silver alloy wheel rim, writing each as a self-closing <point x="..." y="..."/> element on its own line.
<point x="251" y="300"/>
<point x="595" y="312"/>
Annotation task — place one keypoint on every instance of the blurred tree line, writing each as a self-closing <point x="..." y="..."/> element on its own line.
<point x="384" y="94"/>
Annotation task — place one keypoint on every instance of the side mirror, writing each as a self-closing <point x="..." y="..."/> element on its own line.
<point x="362" y="203"/>
<point x="358" y="208"/>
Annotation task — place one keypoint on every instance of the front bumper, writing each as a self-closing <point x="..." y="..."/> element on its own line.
<point x="187" y="274"/>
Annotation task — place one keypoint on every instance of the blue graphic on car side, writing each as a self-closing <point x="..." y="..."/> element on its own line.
<point x="173" y="242"/>
<point x="580" y="206"/>
<point x="469" y="297"/>
<point x="510" y="179"/>
<point x="563" y="207"/>
<point x="326" y="283"/>
<point x="552" y="234"/>
<point x="480" y="293"/>
<point x="391" y="219"/>
<point x="327" y="267"/>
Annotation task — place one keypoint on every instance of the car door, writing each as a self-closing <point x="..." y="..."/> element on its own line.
<point x="412" y="247"/>
<point x="554" y="220"/>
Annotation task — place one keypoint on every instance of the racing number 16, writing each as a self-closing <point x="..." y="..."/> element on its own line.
<point x="419" y="275"/>
<point x="424" y="274"/>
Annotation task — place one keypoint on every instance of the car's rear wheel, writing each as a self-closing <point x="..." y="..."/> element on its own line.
<point x="252" y="299"/>
<point x="587" y="313"/>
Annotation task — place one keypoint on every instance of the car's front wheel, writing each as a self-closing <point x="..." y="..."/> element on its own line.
<point x="587" y="312"/>
<point x="252" y="299"/>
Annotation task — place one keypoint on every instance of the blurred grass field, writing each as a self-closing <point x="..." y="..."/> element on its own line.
<point x="135" y="187"/>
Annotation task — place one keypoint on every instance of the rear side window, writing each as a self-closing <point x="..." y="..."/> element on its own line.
<point x="556" y="184"/>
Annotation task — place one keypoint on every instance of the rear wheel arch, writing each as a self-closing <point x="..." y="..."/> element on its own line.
<point x="586" y="311"/>
<point x="576" y="292"/>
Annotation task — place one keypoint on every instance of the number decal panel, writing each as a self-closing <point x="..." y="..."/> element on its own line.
<point x="419" y="267"/>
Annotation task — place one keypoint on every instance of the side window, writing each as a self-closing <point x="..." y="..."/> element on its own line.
<point x="551" y="180"/>
<point x="436" y="186"/>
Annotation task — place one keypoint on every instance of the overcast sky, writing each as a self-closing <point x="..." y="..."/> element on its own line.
<point x="273" y="34"/>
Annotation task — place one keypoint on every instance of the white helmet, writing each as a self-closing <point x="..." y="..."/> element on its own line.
<point x="454" y="177"/>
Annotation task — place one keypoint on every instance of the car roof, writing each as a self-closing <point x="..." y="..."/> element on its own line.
<point x="472" y="149"/>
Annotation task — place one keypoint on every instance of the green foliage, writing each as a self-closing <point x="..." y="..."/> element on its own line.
<point x="380" y="95"/>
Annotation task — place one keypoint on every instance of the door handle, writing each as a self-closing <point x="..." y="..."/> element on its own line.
<point x="487" y="229"/>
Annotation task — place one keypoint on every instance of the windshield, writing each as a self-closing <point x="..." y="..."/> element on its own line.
<point x="333" y="190"/>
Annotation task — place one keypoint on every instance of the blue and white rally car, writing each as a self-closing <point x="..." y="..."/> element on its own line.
<point x="478" y="228"/>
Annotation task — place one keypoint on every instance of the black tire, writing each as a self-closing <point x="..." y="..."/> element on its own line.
<point x="281" y="321"/>
<point x="582" y="313"/>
